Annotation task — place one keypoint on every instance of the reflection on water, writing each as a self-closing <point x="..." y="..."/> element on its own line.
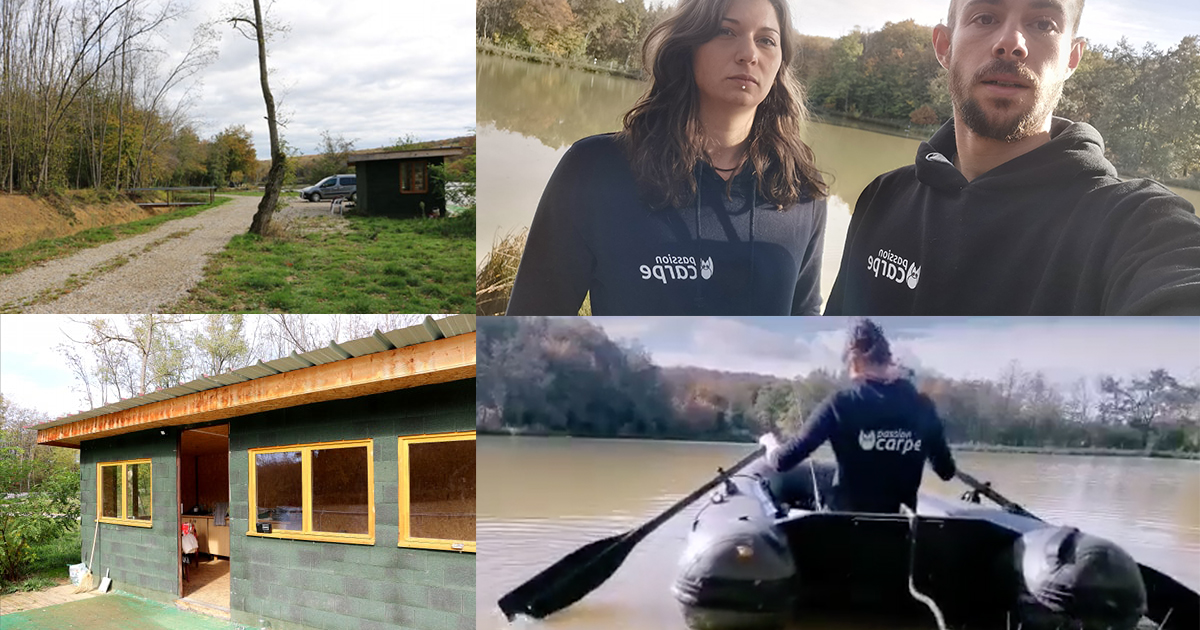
<point x="542" y="498"/>
<point x="529" y="114"/>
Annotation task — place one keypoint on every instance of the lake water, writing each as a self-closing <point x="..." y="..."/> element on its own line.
<point x="541" y="498"/>
<point x="529" y="114"/>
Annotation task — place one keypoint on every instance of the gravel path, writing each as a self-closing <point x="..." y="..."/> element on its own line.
<point x="141" y="274"/>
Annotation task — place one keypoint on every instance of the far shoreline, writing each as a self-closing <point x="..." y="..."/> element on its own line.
<point x="967" y="447"/>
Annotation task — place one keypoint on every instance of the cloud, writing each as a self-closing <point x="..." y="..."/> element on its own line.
<point x="1104" y="21"/>
<point x="371" y="71"/>
<point x="1065" y="350"/>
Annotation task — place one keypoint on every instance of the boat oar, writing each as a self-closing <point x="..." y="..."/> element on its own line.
<point x="585" y="569"/>
<point x="1168" y="600"/>
<point x="986" y="490"/>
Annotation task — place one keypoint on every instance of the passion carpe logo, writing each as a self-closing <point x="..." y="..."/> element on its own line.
<point x="895" y="268"/>
<point x="897" y="441"/>
<point x="677" y="268"/>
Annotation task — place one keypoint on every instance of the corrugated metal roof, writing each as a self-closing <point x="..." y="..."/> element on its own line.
<point x="429" y="330"/>
<point x="406" y="155"/>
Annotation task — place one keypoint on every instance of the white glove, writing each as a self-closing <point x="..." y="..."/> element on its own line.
<point x="769" y="442"/>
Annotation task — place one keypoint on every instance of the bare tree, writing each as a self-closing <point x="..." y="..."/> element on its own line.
<point x="266" y="206"/>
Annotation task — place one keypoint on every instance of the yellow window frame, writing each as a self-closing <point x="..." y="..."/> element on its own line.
<point x="407" y="540"/>
<point x="124" y="498"/>
<point x="306" y="532"/>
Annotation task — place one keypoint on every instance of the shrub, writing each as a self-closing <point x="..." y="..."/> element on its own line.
<point x="33" y="518"/>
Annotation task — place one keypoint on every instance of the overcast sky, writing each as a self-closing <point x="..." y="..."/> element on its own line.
<point x="370" y="70"/>
<point x="1163" y="22"/>
<point x="33" y="375"/>
<point x="1065" y="350"/>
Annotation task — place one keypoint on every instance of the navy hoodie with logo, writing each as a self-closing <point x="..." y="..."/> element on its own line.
<point x="882" y="432"/>
<point x="724" y="254"/>
<point x="1051" y="232"/>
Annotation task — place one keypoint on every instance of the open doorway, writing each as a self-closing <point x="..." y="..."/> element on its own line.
<point x="204" y="512"/>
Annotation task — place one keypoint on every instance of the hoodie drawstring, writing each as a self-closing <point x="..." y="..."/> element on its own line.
<point x="753" y="205"/>
<point x="696" y="173"/>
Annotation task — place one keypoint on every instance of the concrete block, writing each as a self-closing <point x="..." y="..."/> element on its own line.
<point x="445" y="599"/>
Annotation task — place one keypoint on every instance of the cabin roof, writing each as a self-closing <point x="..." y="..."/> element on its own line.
<point x="406" y="155"/>
<point x="435" y="351"/>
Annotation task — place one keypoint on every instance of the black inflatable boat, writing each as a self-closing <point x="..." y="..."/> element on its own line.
<point x="762" y="551"/>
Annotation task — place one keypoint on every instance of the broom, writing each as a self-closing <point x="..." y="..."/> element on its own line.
<point x="85" y="580"/>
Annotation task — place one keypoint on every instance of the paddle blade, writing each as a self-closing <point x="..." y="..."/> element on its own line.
<point x="570" y="579"/>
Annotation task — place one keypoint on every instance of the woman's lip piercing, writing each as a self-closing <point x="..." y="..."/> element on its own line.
<point x="743" y="86"/>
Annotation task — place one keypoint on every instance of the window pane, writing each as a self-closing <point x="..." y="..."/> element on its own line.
<point x="279" y="490"/>
<point x="419" y="177"/>
<point x="442" y="490"/>
<point x="405" y="177"/>
<point x="137" y="488"/>
<point x="340" y="490"/>
<point x="110" y="491"/>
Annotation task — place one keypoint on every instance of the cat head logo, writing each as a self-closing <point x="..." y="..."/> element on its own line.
<point x="706" y="268"/>
<point x="914" y="276"/>
<point x="866" y="439"/>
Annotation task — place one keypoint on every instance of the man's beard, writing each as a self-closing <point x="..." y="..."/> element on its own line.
<point x="1015" y="127"/>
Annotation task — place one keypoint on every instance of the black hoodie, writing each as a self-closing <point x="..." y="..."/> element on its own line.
<point x="1052" y="232"/>
<point x="726" y="254"/>
<point x="882" y="432"/>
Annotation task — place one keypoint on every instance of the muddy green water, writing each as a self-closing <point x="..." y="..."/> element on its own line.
<point x="541" y="498"/>
<point x="529" y="114"/>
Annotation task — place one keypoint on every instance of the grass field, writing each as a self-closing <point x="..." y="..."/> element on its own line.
<point x="50" y="564"/>
<point x="364" y="265"/>
<point x="24" y="257"/>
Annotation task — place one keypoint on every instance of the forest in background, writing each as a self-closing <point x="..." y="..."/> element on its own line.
<point x="566" y="377"/>
<point x="89" y="99"/>
<point x="1145" y="102"/>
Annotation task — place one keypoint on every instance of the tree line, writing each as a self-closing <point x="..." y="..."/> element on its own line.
<point x="1145" y="102"/>
<point x="551" y="376"/>
<point x="88" y="100"/>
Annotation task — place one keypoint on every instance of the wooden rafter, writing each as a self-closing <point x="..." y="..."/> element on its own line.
<point x="438" y="361"/>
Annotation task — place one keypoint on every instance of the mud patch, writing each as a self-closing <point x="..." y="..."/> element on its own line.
<point x="24" y="220"/>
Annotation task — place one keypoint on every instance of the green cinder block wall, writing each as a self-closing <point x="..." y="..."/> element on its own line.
<point x="143" y="561"/>
<point x="294" y="583"/>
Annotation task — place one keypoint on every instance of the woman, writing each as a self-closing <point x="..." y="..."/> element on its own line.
<point x="707" y="202"/>
<point x="881" y="429"/>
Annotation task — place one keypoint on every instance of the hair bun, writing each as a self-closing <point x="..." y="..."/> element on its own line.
<point x="867" y="341"/>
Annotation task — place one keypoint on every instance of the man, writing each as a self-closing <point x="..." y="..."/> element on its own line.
<point x="881" y="429"/>
<point x="1008" y="209"/>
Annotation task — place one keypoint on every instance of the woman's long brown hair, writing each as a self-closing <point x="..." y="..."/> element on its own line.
<point x="662" y="134"/>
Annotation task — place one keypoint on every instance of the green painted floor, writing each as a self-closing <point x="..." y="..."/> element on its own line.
<point x="111" y="612"/>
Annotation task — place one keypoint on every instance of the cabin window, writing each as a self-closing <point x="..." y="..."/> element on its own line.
<point x="437" y="491"/>
<point x="314" y="492"/>
<point x="414" y="177"/>
<point x="124" y="491"/>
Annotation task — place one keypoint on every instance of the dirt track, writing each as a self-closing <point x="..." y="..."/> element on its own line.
<point x="140" y="274"/>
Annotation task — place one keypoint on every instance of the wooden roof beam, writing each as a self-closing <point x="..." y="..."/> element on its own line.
<point x="440" y="361"/>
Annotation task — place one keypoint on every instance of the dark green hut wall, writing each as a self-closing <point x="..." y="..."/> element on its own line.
<point x="333" y="585"/>
<point x="142" y="560"/>
<point x="294" y="583"/>
<point x="379" y="190"/>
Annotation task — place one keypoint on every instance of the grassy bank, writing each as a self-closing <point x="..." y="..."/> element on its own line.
<point x="24" y="257"/>
<point x="900" y="128"/>
<point x="963" y="448"/>
<point x="362" y="265"/>
<point x="1084" y="450"/>
<point x="49" y="567"/>
<point x="523" y="54"/>
<point x="495" y="276"/>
